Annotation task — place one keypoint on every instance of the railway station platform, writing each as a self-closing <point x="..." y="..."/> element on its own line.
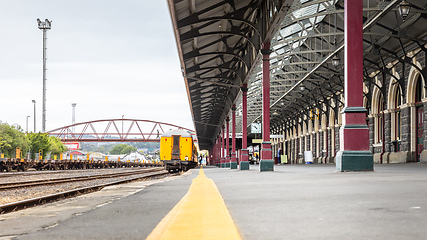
<point x="293" y="202"/>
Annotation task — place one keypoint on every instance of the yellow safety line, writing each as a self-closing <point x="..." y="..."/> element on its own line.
<point x="201" y="214"/>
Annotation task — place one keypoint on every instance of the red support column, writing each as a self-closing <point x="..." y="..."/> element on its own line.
<point x="244" y="158"/>
<point x="266" y="162"/>
<point x="212" y="151"/>
<point x="233" y="162"/>
<point x="354" y="154"/>
<point x="222" y="149"/>
<point x="215" y="153"/>
<point x="227" y="140"/>
<point x="218" y="152"/>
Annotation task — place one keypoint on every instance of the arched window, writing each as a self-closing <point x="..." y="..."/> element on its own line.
<point x="397" y="122"/>
<point x="418" y="91"/>
<point x="334" y="138"/>
<point x="332" y="122"/>
<point x="380" y="120"/>
<point x="365" y="105"/>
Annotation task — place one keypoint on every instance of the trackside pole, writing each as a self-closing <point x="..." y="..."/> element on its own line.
<point x="354" y="154"/>
<point x="266" y="163"/>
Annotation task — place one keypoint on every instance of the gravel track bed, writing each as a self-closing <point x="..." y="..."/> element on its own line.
<point x="56" y="175"/>
<point x="14" y="195"/>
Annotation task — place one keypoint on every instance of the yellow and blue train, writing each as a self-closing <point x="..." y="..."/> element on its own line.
<point x="178" y="151"/>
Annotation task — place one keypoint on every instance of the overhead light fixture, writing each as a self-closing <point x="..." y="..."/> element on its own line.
<point x="404" y="8"/>
<point x="275" y="113"/>
<point x="336" y="60"/>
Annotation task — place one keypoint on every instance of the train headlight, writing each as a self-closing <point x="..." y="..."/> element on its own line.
<point x="186" y="158"/>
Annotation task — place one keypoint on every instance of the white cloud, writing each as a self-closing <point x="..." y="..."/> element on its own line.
<point x="112" y="58"/>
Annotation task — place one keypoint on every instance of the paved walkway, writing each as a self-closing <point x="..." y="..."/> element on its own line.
<point x="201" y="214"/>
<point x="293" y="202"/>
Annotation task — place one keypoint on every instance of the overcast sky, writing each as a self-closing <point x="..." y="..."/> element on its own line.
<point x="111" y="57"/>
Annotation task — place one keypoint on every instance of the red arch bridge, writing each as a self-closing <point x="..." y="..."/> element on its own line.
<point x="115" y="130"/>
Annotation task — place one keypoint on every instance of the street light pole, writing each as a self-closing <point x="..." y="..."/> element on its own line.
<point x="34" y="101"/>
<point x="122" y="124"/>
<point x="74" y="116"/>
<point x="44" y="26"/>
<point x="27" y="123"/>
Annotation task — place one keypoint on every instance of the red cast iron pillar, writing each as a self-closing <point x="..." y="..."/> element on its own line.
<point x="233" y="162"/>
<point x="222" y="149"/>
<point x="227" y="140"/>
<point x="266" y="162"/>
<point x="244" y="158"/>
<point x="354" y="154"/>
<point x="216" y="153"/>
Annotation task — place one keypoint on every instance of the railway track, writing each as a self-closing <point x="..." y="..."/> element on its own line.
<point x="13" y="185"/>
<point x="10" y="207"/>
<point x="46" y="172"/>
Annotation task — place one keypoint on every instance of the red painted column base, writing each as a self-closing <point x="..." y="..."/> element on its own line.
<point x="266" y="153"/>
<point x="244" y="162"/>
<point x="227" y="162"/>
<point x="244" y="156"/>
<point x="266" y="163"/>
<point x="233" y="161"/>
<point x="354" y="154"/>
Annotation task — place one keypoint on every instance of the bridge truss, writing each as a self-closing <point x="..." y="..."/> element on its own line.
<point x="115" y="130"/>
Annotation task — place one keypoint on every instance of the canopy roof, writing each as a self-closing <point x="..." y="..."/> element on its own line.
<point x="219" y="44"/>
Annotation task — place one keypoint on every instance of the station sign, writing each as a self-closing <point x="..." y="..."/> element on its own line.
<point x="72" y="145"/>
<point x="238" y="135"/>
<point x="276" y="136"/>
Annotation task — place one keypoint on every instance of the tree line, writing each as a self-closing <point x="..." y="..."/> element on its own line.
<point x="12" y="137"/>
<point x="123" y="149"/>
<point x="107" y="148"/>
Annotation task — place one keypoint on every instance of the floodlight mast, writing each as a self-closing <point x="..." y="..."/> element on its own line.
<point x="73" y="105"/>
<point x="44" y="26"/>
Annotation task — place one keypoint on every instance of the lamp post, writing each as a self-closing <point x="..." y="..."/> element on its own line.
<point x="122" y="124"/>
<point x="27" y="123"/>
<point x="404" y="8"/>
<point x="34" y="101"/>
<point x="73" y="105"/>
<point x="44" y="26"/>
<point x="336" y="61"/>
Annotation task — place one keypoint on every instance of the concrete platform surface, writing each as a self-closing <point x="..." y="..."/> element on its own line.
<point x="315" y="202"/>
<point x="293" y="202"/>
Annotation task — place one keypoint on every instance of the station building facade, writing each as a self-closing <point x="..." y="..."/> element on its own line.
<point x="395" y="99"/>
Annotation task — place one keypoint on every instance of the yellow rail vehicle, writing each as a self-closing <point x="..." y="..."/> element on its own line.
<point x="178" y="151"/>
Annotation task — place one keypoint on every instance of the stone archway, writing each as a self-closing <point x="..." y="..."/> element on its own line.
<point x="415" y="112"/>
<point x="394" y="101"/>
<point x="332" y="134"/>
<point x="376" y="113"/>
<point x="393" y="125"/>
